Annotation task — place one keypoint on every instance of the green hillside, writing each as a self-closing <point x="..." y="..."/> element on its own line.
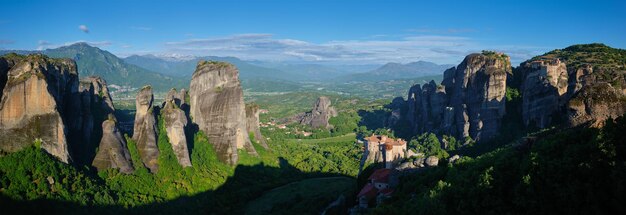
<point x="94" y="61"/>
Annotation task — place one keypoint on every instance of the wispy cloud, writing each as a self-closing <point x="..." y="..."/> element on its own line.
<point x="42" y="44"/>
<point x="435" y="48"/>
<point x="141" y="28"/>
<point x="83" y="28"/>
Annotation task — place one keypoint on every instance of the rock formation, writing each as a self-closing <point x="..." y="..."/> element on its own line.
<point x="144" y="131"/>
<point x="217" y="107"/>
<point x="320" y="114"/>
<point x="33" y="105"/>
<point x="469" y="102"/>
<point x="544" y="87"/>
<point x="576" y="85"/>
<point x="175" y="122"/>
<point x="112" y="152"/>
<point x="95" y="105"/>
<point x="594" y="104"/>
<point x="252" y="124"/>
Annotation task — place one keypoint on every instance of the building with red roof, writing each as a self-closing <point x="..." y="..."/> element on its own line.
<point x="377" y="188"/>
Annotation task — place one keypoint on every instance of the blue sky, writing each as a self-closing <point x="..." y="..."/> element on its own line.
<point x="348" y="32"/>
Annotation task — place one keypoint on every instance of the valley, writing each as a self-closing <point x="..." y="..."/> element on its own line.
<point x="312" y="107"/>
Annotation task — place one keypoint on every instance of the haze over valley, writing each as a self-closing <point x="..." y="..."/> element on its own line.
<point x="325" y="107"/>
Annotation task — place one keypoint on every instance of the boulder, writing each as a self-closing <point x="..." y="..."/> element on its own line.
<point x="454" y="158"/>
<point x="432" y="161"/>
<point x="144" y="130"/>
<point x="217" y="107"/>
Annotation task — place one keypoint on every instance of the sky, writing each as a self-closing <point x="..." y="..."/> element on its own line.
<point x="339" y="32"/>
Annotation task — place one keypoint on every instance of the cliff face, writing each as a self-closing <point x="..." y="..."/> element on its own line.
<point x="113" y="151"/>
<point x="594" y="104"/>
<point x="175" y="122"/>
<point x="217" y="107"/>
<point x="93" y="106"/>
<point x="320" y="114"/>
<point x="252" y="124"/>
<point x="35" y="102"/>
<point x="544" y="89"/>
<point x="468" y="103"/>
<point x="144" y="131"/>
<point x="581" y="83"/>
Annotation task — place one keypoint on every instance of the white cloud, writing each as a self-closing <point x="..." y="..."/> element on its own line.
<point x="83" y="28"/>
<point x="441" y="49"/>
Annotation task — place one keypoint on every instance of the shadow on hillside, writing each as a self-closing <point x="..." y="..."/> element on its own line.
<point x="247" y="183"/>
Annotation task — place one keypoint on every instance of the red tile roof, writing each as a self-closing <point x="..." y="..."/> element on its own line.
<point x="368" y="191"/>
<point x="386" y="192"/>
<point x="380" y="175"/>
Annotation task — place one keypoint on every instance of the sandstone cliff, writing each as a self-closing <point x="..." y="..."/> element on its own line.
<point x="93" y="106"/>
<point x="544" y="89"/>
<point x="33" y="105"/>
<point x="469" y="102"/>
<point x="252" y="124"/>
<point x="144" y="131"/>
<point x="217" y="107"/>
<point x="320" y="114"/>
<point x="576" y="85"/>
<point x="175" y="122"/>
<point x="112" y="152"/>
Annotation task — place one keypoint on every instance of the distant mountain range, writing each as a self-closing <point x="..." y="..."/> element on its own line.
<point x="393" y="71"/>
<point x="165" y="72"/>
<point x="247" y="69"/>
<point x="94" y="61"/>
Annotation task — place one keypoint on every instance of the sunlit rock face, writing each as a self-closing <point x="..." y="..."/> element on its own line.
<point x="144" y="131"/>
<point x="470" y="102"/>
<point x="544" y="88"/>
<point x="217" y="107"/>
<point x="175" y="121"/>
<point x="38" y="97"/>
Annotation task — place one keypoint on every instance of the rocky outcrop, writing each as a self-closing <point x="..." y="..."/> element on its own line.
<point x="144" y="131"/>
<point x="544" y="88"/>
<point x="95" y="105"/>
<point x="217" y="107"/>
<point x="320" y="114"/>
<point x="252" y="124"/>
<point x="594" y="104"/>
<point x="36" y="100"/>
<point x="6" y="63"/>
<point x="175" y="122"/>
<point x="577" y="85"/>
<point x="113" y="151"/>
<point x="470" y="102"/>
